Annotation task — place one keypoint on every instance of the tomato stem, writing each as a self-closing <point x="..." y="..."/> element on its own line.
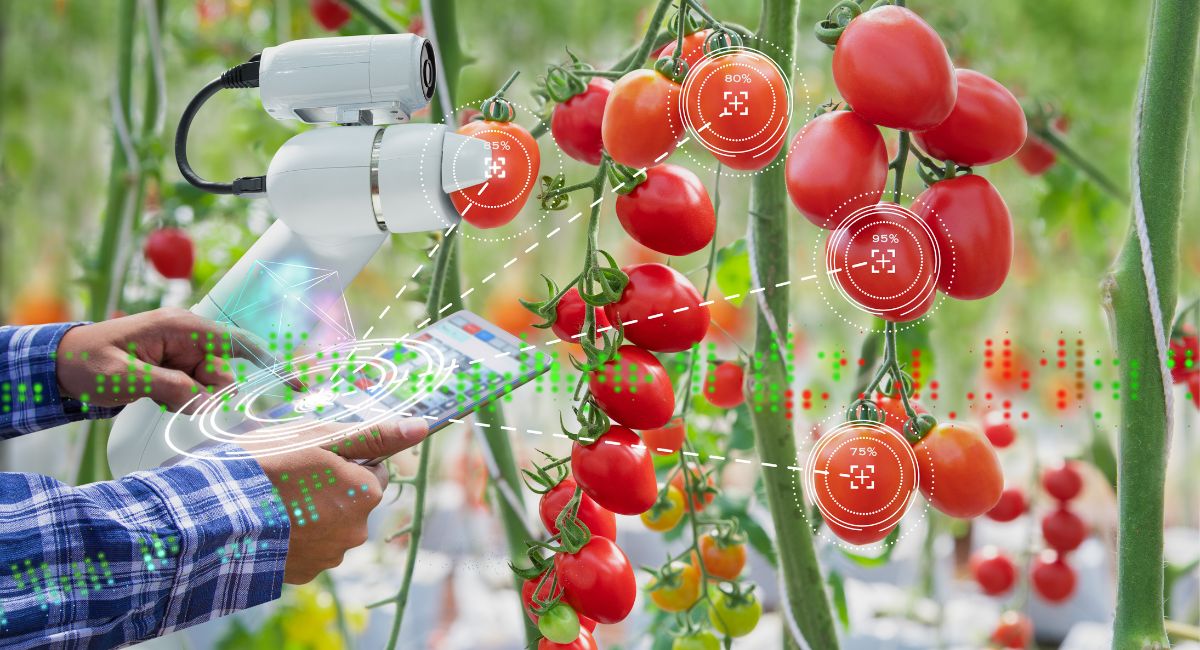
<point x="898" y="164"/>
<point x="686" y="395"/>
<point x="1081" y="162"/>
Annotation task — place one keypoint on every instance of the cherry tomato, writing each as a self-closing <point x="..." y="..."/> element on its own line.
<point x="1193" y="388"/>
<point x="883" y="262"/>
<point x="986" y="126"/>
<point x="668" y="212"/>
<point x="892" y="67"/>
<point x="993" y="570"/>
<point x="1184" y="355"/>
<point x="331" y="14"/>
<point x="893" y="411"/>
<point x="527" y="598"/>
<point x="560" y="624"/>
<point x="1053" y="579"/>
<point x="633" y="389"/>
<point x="598" y="581"/>
<point x="698" y="501"/>
<point x="584" y="641"/>
<point x="693" y="48"/>
<point x="836" y="164"/>
<point x="570" y="313"/>
<point x="723" y="560"/>
<point x="598" y="520"/>
<point x="1035" y="156"/>
<point x="733" y="616"/>
<point x="171" y="252"/>
<point x="1062" y="482"/>
<point x="678" y="591"/>
<point x="702" y="640"/>
<point x="1063" y="530"/>
<point x="736" y="103"/>
<point x="863" y="481"/>
<point x="960" y="472"/>
<point x="616" y="471"/>
<point x="1013" y="631"/>
<point x="723" y="385"/>
<point x="642" y="121"/>
<point x="647" y="307"/>
<point x="576" y="122"/>
<point x="973" y="229"/>
<point x="667" y="440"/>
<point x="36" y="305"/>
<point x="999" y="429"/>
<point x="1010" y="506"/>
<point x="665" y="514"/>
<point x="512" y="174"/>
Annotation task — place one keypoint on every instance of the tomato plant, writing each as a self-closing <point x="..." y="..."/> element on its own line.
<point x="702" y="492"/>
<point x="693" y="47"/>
<point x="960" y="472"/>
<point x="646" y="310"/>
<point x="986" y="125"/>
<point x="171" y="252"/>
<point x="569" y="316"/>
<point x="598" y="520"/>
<point x="724" y="385"/>
<point x="827" y="193"/>
<point x="597" y="581"/>
<point x="669" y="211"/>
<point x="973" y="229"/>
<point x="893" y="411"/>
<point x="634" y="389"/>
<point x="641" y="123"/>
<point x="576" y="122"/>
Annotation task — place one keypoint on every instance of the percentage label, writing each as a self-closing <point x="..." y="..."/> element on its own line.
<point x="885" y="239"/>
<point x="742" y="78"/>
<point x="863" y="451"/>
<point x="501" y="146"/>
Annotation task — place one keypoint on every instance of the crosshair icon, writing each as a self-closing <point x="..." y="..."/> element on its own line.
<point x="861" y="477"/>
<point x="495" y="167"/>
<point x="885" y="260"/>
<point x="732" y="99"/>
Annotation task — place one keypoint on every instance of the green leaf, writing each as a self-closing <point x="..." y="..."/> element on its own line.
<point x="837" y="588"/>
<point x="742" y="434"/>
<point x="733" y="270"/>
<point x="1100" y="453"/>
<point x="872" y="561"/>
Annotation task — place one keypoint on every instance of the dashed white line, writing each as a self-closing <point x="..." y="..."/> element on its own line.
<point x="466" y="293"/>
<point x="414" y="273"/>
<point x="384" y="312"/>
<point x="489" y="277"/>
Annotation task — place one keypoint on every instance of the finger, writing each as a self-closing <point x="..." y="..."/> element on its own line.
<point x="382" y="475"/>
<point x="383" y="439"/>
<point x="176" y="390"/>
<point x="242" y="343"/>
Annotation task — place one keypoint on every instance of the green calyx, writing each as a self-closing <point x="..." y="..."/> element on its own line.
<point x="496" y="108"/>
<point x="722" y="38"/>
<point x="671" y="68"/>
<point x="624" y="179"/>
<point x="864" y="410"/>
<point x="829" y="30"/>
<point x="918" y="427"/>
<point x="562" y="82"/>
<point x="691" y="24"/>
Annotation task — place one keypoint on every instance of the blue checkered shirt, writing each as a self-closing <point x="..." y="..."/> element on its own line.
<point x="112" y="563"/>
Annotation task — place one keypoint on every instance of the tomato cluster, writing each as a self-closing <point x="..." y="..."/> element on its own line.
<point x="1063" y="531"/>
<point x="1184" y="360"/>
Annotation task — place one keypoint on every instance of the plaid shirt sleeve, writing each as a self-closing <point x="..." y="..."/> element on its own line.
<point x="112" y="563"/>
<point x="29" y="397"/>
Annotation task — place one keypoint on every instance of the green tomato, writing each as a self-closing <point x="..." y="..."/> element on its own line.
<point x="733" y="617"/>
<point x="702" y="640"/>
<point x="560" y="624"/>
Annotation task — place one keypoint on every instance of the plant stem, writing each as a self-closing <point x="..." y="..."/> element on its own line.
<point x="1082" y="163"/>
<point x="639" y="55"/>
<point x="899" y="163"/>
<point x="1163" y="110"/>
<point x="800" y="573"/>
<point x="343" y="625"/>
<point x="371" y="15"/>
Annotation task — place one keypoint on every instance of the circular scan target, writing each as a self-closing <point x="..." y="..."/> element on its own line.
<point x="862" y="476"/>
<point x="352" y="387"/>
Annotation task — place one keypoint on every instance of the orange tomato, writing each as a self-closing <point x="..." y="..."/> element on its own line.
<point x="724" y="561"/>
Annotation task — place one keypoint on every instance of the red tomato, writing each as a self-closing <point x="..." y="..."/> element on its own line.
<point x="647" y="310"/>
<point x="892" y="67"/>
<point x="527" y="597"/>
<point x="1013" y="631"/>
<point x="331" y="14"/>
<point x="513" y="172"/>
<point x="668" y="212"/>
<point x="1183" y="357"/>
<point x="598" y="520"/>
<point x="693" y="48"/>
<point x="576" y="122"/>
<point x="1193" y="387"/>
<point x="863" y="480"/>
<point x="597" y="581"/>
<point x="993" y="570"/>
<point x="570" y="312"/>
<point x="585" y="642"/>
<point x="1035" y="156"/>
<point x="960" y="472"/>
<point x="633" y="389"/>
<point x="723" y="561"/>
<point x="736" y="104"/>
<point x="1010" y="506"/>
<point x="1053" y="578"/>
<point x="723" y="385"/>
<point x="974" y="234"/>
<point x="616" y="471"/>
<point x="999" y="429"/>
<point x="1063" y="530"/>
<point x="641" y="123"/>
<point x="668" y="439"/>
<point x="697" y="501"/>
<point x="986" y="126"/>
<point x="827" y="193"/>
<point x="893" y="411"/>
<point x="883" y="261"/>
<point x="171" y="252"/>
<point x="1062" y="482"/>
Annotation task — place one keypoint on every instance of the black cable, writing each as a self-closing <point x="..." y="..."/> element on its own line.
<point x="240" y="76"/>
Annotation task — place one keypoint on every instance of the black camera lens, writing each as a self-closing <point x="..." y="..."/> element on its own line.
<point x="428" y="70"/>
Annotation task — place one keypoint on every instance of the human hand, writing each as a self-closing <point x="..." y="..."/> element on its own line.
<point x="342" y="492"/>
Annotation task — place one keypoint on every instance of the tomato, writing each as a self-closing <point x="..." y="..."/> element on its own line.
<point x="1063" y="530"/>
<point x="576" y="122"/>
<point x="836" y="164"/>
<point x="560" y="624"/>
<point x="882" y="259"/>
<point x="986" y="126"/>
<point x="1063" y="482"/>
<point x="527" y="598"/>
<point x="736" y="103"/>
<point x="598" y="520"/>
<point x="893" y="411"/>
<point x="1193" y="388"/>
<point x="37" y="305"/>
<point x="665" y="514"/>
<point x="616" y="471"/>
<point x="723" y="560"/>
<point x="723" y="385"/>
<point x="1182" y="357"/>
<point x="1010" y="506"/>
<point x="598" y="581"/>
<point x="892" y="67"/>
<point x="668" y="212"/>
<point x="642" y="125"/>
<point x="331" y="14"/>
<point x="1035" y="156"/>
<point x="1013" y="631"/>
<point x="993" y="570"/>
<point x="693" y="48"/>
<point x="733" y="616"/>
<point x="647" y="307"/>
<point x="512" y="174"/>
<point x="697" y="501"/>
<point x="1053" y="579"/>
<point x="666" y="440"/>
<point x="999" y="429"/>
<point x="570" y="313"/>
<point x="677" y="591"/>
<point x="702" y="640"/>
<point x="633" y="389"/>
<point x="584" y="641"/>
<point x="863" y="480"/>
<point x="974" y="234"/>
<point x="171" y="252"/>
<point x="960" y="472"/>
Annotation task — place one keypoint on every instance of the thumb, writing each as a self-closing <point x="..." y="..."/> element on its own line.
<point x="383" y="439"/>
